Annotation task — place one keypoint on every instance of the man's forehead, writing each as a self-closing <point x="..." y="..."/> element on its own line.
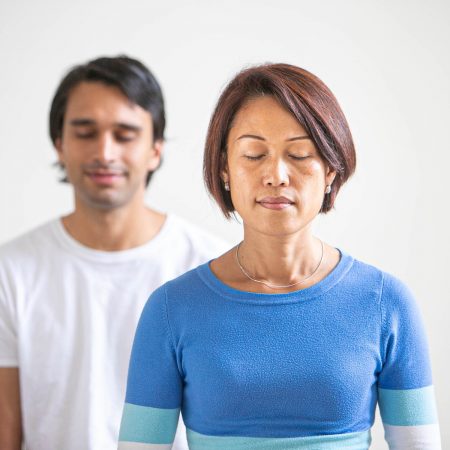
<point x="81" y="122"/>
<point x="100" y="102"/>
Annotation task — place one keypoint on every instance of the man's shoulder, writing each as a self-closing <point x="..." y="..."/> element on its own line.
<point x="194" y="237"/>
<point x="36" y="240"/>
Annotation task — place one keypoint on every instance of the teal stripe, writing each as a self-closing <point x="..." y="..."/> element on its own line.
<point x="148" y="425"/>
<point x="349" y="441"/>
<point x="407" y="407"/>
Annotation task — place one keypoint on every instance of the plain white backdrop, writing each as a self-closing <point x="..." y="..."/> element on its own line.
<point x="386" y="61"/>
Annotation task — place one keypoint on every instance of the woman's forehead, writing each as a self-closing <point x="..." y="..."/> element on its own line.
<point x="265" y="117"/>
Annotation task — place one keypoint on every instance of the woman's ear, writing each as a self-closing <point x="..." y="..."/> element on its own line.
<point x="224" y="176"/>
<point x="330" y="176"/>
<point x="225" y="180"/>
<point x="224" y="164"/>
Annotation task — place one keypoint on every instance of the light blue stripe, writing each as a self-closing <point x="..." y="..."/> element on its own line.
<point x="148" y="425"/>
<point x="349" y="441"/>
<point x="141" y="446"/>
<point x="407" y="407"/>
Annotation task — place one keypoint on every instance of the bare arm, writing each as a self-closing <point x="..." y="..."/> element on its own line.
<point x="10" y="414"/>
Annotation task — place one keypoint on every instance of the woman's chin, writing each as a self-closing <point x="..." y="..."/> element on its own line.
<point x="276" y="228"/>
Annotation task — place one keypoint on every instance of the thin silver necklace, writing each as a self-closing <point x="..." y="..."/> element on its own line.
<point x="277" y="286"/>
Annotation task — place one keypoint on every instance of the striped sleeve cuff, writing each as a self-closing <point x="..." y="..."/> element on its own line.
<point x="410" y="418"/>
<point x="147" y="428"/>
<point x="419" y="437"/>
<point x="141" y="446"/>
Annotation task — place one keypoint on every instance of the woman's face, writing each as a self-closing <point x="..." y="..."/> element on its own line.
<point x="276" y="175"/>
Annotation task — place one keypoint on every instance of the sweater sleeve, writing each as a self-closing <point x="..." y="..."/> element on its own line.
<point x="154" y="387"/>
<point x="405" y="390"/>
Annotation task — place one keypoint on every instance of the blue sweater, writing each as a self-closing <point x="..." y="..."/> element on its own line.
<point x="281" y="371"/>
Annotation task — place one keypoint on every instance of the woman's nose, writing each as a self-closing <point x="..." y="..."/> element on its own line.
<point x="276" y="173"/>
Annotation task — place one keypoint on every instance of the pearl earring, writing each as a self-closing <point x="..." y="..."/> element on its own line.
<point x="227" y="186"/>
<point x="328" y="189"/>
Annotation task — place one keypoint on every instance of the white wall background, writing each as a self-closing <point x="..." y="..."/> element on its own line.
<point x="387" y="62"/>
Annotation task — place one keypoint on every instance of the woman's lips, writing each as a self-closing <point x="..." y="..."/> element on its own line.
<point x="276" y="203"/>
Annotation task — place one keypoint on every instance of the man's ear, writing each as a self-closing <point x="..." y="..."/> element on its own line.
<point x="156" y="155"/>
<point x="59" y="150"/>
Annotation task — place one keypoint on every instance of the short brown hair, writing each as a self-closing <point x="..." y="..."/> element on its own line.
<point x="310" y="102"/>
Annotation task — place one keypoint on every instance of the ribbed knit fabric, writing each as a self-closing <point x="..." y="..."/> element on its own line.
<point x="280" y="371"/>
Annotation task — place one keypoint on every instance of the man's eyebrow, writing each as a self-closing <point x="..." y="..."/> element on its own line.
<point x="260" y="138"/>
<point x="89" y="122"/>
<point x="82" y="122"/>
<point x="128" y="126"/>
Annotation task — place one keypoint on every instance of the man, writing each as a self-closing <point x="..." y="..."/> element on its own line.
<point x="71" y="291"/>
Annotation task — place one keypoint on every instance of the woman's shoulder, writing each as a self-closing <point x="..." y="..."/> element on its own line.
<point x="371" y="270"/>
<point x="184" y="286"/>
<point x="394" y="292"/>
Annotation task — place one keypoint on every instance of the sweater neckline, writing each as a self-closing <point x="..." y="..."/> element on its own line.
<point x="314" y="291"/>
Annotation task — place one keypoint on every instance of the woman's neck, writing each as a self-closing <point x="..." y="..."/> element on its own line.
<point x="277" y="261"/>
<point x="280" y="260"/>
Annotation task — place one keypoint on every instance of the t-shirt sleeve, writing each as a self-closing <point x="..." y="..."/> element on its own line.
<point x="8" y="331"/>
<point x="405" y="390"/>
<point x="154" y="387"/>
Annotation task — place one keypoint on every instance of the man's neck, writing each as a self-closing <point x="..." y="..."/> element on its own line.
<point x="113" y="230"/>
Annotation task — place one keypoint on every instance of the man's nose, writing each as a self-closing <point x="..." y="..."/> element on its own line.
<point x="276" y="173"/>
<point x="106" y="149"/>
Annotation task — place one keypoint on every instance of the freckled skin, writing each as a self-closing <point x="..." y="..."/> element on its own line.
<point x="269" y="166"/>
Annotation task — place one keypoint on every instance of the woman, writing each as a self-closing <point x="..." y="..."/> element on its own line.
<point x="284" y="342"/>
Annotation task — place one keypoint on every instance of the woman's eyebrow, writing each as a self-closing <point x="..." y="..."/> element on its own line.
<point x="297" y="138"/>
<point x="251" y="136"/>
<point x="260" y="138"/>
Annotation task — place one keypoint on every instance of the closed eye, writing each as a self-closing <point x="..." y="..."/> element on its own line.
<point x="298" y="158"/>
<point x="87" y="135"/>
<point x="125" y="138"/>
<point x="253" y="157"/>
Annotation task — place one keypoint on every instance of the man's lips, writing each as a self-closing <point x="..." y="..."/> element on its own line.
<point x="105" y="177"/>
<point x="276" y="203"/>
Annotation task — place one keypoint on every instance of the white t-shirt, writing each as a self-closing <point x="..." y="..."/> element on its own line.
<point x="68" y="314"/>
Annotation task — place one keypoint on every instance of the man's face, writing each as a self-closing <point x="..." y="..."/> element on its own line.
<point x="106" y="146"/>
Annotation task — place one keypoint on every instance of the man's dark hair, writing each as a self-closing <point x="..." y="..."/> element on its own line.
<point x="129" y="75"/>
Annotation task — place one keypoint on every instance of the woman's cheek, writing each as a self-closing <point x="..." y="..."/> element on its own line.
<point x="312" y="168"/>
